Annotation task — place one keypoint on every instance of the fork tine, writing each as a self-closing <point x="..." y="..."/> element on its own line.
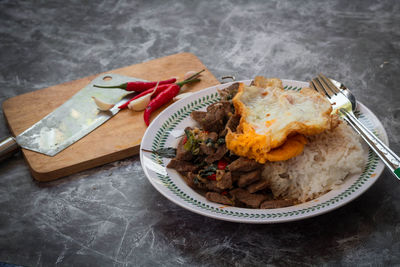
<point x="313" y="86"/>
<point x="331" y="86"/>
<point x="325" y="86"/>
<point x="318" y="87"/>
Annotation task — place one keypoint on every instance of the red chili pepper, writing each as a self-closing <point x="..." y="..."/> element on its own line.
<point x="224" y="193"/>
<point x="138" y="86"/>
<point x="222" y="164"/>
<point x="184" y="140"/>
<point x="165" y="96"/>
<point x="212" y="177"/>
<point x="159" y="89"/>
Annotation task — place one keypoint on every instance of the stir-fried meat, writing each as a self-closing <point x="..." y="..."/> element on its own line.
<point x="229" y="92"/>
<point x="275" y="204"/>
<point x="189" y="177"/>
<point x="212" y="186"/>
<point x="260" y="185"/>
<point x="232" y="181"/>
<point x="249" y="178"/>
<point x="219" y="153"/>
<point x="233" y="122"/>
<point x="213" y="136"/>
<point x="227" y="108"/>
<point x="213" y="120"/>
<point x="207" y="149"/>
<point x="218" y="198"/>
<point x="244" y="165"/>
<point x="182" y="153"/>
<point x="226" y="181"/>
<point x="182" y="166"/>
<point x="199" y="116"/>
<point x="251" y="200"/>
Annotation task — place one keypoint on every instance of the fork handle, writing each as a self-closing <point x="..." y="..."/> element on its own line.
<point x="391" y="160"/>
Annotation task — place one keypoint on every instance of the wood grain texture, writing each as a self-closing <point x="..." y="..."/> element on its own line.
<point x="116" y="139"/>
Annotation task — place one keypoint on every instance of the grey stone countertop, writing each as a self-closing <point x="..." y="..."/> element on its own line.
<point x="111" y="215"/>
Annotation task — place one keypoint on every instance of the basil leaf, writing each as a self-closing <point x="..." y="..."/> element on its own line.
<point x="192" y="144"/>
<point x="209" y="170"/>
<point x="166" y="152"/>
<point x="221" y="141"/>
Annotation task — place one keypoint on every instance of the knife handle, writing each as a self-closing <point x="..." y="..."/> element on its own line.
<point x="8" y="147"/>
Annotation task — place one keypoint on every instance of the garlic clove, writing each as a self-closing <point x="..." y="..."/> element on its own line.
<point x="103" y="106"/>
<point x="140" y="103"/>
<point x="183" y="95"/>
<point x="189" y="74"/>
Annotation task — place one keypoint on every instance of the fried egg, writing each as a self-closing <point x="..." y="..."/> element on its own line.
<point x="274" y="121"/>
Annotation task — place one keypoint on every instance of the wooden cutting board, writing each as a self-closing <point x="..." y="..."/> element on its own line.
<point x="116" y="139"/>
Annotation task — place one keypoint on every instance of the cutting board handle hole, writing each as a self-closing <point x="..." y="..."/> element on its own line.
<point x="107" y="78"/>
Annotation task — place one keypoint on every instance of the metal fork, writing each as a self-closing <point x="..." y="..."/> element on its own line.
<point x="344" y="108"/>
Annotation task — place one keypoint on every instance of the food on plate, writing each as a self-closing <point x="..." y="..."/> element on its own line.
<point x="270" y="114"/>
<point x="324" y="164"/>
<point x="263" y="147"/>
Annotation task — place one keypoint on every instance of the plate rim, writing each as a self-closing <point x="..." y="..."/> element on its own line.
<point x="379" y="167"/>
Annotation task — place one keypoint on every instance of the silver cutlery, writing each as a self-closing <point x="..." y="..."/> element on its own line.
<point x="344" y="103"/>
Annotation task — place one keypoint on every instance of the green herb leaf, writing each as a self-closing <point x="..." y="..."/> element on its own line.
<point x="221" y="141"/>
<point x="192" y="144"/>
<point x="209" y="141"/>
<point x="167" y="152"/>
<point x="209" y="170"/>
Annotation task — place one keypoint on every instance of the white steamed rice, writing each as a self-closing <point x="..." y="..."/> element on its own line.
<point x="327" y="159"/>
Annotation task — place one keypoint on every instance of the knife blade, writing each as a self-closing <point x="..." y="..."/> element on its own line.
<point x="74" y="119"/>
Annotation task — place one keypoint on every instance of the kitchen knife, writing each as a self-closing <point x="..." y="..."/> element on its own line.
<point x="74" y="119"/>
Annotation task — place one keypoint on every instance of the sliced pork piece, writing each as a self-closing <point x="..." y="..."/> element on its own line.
<point x="189" y="177"/>
<point x="218" y="198"/>
<point x="207" y="146"/>
<point x="214" y="119"/>
<point x="233" y="122"/>
<point x="182" y="153"/>
<point x="207" y="149"/>
<point x="219" y="154"/>
<point x="249" y="178"/>
<point x="209" y="121"/>
<point x="250" y="200"/>
<point x="257" y="186"/>
<point x="212" y="186"/>
<point x="244" y="165"/>
<point x="275" y="204"/>
<point x="226" y="181"/>
<point x="227" y="108"/>
<point x="213" y="136"/>
<point x="181" y="166"/>
<point x="199" y="116"/>
<point x="229" y="92"/>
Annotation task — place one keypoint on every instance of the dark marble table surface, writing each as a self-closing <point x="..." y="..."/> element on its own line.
<point x="111" y="215"/>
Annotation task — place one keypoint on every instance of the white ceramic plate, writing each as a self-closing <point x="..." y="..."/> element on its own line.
<point x="167" y="128"/>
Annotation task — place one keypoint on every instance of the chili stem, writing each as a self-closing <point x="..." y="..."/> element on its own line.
<point x="121" y="86"/>
<point x="187" y="81"/>
<point x="195" y="75"/>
